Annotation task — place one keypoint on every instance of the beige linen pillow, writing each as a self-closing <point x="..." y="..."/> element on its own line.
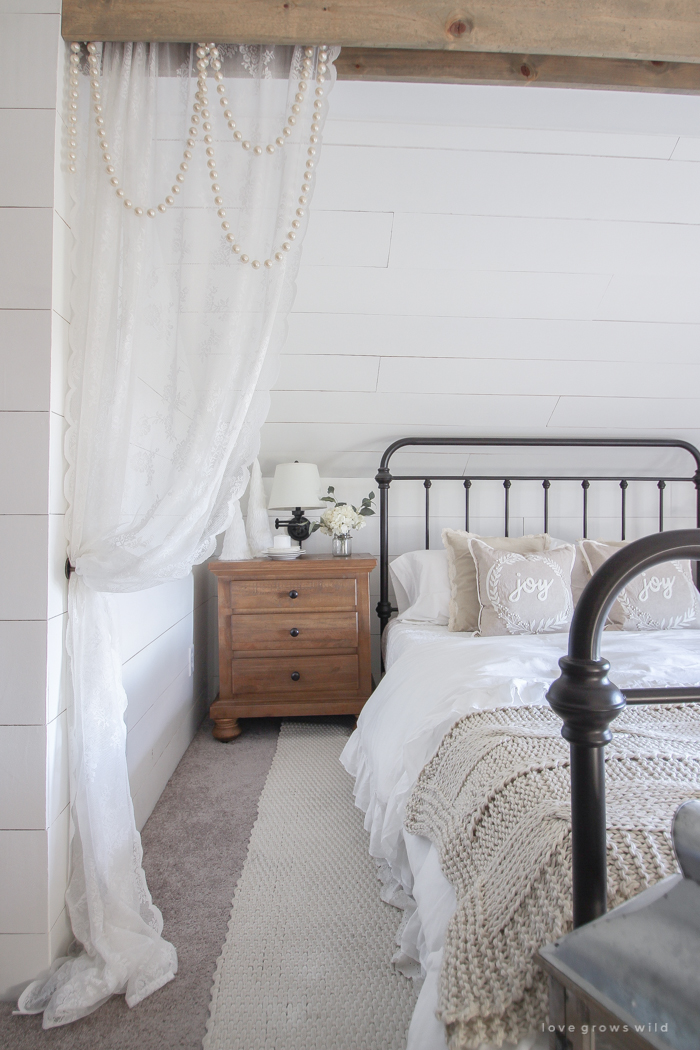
<point x="464" y="601"/>
<point x="663" y="598"/>
<point x="580" y="574"/>
<point x="523" y="593"/>
<point x="582" y="571"/>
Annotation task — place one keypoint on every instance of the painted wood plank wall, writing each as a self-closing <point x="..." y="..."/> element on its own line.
<point x="488" y="261"/>
<point x="483" y="260"/>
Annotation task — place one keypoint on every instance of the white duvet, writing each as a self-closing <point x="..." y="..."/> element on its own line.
<point x="433" y="679"/>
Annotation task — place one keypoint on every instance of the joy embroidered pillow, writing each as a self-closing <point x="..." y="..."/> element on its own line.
<point x="464" y="601"/>
<point x="661" y="599"/>
<point x="523" y="593"/>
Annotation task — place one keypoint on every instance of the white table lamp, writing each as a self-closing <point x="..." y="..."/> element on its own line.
<point x="295" y="486"/>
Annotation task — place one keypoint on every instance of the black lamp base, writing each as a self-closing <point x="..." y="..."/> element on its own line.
<point x="298" y="527"/>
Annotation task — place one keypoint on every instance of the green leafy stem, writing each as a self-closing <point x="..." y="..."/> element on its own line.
<point x="365" y="508"/>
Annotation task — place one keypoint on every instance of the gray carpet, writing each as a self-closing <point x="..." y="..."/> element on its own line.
<point x="195" y="844"/>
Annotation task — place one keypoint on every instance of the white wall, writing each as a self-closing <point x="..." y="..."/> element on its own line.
<point x="492" y="260"/>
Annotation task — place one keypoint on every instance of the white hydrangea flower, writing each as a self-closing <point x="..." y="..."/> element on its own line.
<point x="339" y="520"/>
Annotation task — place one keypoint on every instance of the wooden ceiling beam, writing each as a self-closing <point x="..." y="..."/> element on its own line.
<point x="464" y="67"/>
<point x="662" y="30"/>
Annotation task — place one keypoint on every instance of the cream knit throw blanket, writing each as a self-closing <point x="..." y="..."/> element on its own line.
<point x="495" y="800"/>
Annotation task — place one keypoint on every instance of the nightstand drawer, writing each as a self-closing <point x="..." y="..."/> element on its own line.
<point x="294" y="631"/>
<point x="290" y="674"/>
<point x="294" y="594"/>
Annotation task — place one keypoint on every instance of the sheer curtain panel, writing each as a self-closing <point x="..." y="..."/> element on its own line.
<point x="194" y="169"/>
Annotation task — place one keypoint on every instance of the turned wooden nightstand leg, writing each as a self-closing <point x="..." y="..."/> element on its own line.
<point x="226" y="729"/>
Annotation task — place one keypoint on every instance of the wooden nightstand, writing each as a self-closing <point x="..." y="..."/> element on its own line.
<point x="293" y="638"/>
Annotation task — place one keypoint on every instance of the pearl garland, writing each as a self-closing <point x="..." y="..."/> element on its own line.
<point x="208" y="55"/>
<point x="73" y="83"/>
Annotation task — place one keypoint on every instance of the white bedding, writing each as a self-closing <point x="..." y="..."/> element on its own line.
<point x="401" y="636"/>
<point x="433" y="679"/>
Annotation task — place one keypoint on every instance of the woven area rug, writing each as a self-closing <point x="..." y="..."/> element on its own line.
<point x="307" y="960"/>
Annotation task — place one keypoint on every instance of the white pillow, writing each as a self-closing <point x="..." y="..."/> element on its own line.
<point x="422" y="586"/>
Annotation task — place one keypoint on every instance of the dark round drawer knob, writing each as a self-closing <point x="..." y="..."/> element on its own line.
<point x="295" y="676"/>
<point x="294" y="632"/>
<point x="294" y="594"/>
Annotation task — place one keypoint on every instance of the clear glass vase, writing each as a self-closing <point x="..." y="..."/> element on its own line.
<point x="342" y="546"/>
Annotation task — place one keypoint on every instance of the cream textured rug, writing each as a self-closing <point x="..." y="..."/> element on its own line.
<point x="307" y="960"/>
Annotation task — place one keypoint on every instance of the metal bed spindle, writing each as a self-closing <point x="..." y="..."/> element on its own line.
<point x="585" y="485"/>
<point x="623" y="509"/>
<point x="427" y="485"/>
<point x="661" y="486"/>
<point x="506" y="485"/>
<point x="546" y="485"/>
<point x="467" y="487"/>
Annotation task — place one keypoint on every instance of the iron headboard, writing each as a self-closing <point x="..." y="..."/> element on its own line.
<point x="384" y="479"/>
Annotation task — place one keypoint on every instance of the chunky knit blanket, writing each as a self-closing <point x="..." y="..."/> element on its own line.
<point x="495" y="800"/>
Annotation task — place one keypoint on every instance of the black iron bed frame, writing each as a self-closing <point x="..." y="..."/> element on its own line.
<point x="583" y="696"/>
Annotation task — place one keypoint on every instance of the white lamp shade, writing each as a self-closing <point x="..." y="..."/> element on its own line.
<point x="295" y="485"/>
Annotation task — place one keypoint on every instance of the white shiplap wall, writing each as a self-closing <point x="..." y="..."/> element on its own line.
<point x="490" y="260"/>
<point x="496" y="261"/>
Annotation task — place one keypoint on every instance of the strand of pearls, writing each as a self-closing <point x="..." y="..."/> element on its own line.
<point x="208" y="55"/>
<point x="96" y="97"/>
<point x="322" y="69"/>
<point x="73" y="95"/>
<point x="307" y="70"/>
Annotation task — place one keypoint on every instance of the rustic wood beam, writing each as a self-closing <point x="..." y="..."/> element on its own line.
<point x="664" y="30"/>
<point x="483" y="67"/>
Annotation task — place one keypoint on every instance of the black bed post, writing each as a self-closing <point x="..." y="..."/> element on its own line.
<point x="587" y="702"/>
<point x="696" y="480"/>
<point x="383" y="480"/>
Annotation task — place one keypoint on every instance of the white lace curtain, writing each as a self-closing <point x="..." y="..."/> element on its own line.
<point x="174" y="348"/>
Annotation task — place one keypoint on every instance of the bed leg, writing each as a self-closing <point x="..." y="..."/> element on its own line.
<point x="588" y="832"/>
